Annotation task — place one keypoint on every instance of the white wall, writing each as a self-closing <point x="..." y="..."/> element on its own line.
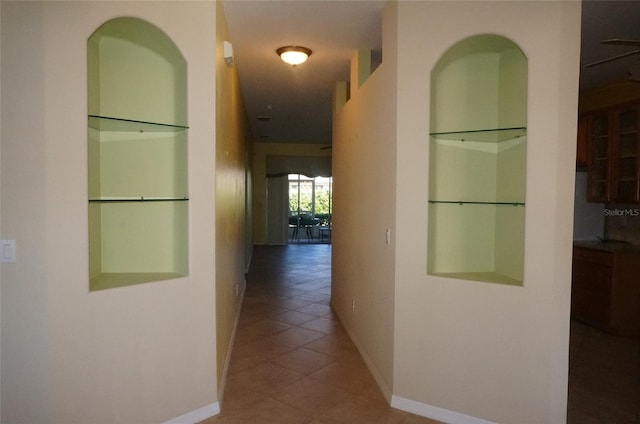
<point x="144" y="353"/>
<point x="468" y="350"/>
<point x="364" y="176"/>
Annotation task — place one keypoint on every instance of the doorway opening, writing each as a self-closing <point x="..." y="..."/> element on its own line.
<point x="310" y="207"/>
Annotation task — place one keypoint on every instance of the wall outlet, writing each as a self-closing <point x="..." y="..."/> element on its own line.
<point x="353" y="305"/>
<point x="7" y="251"/>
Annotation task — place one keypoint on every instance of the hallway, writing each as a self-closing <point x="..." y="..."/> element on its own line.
<point x="292" y="362"/>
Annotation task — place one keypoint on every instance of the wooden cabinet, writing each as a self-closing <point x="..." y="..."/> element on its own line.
<point x="625" y="181"/>
<point x="605" y="289"/>
<point x="582" y="152"/>
<point x="600" y="137"/>
<point x="612" y="144"/>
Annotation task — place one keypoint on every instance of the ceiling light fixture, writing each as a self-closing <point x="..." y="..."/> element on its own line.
<point x="294" y="55"/>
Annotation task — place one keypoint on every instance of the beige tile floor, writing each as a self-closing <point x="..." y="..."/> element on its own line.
<point x="293" y="362"/>
<point x="604" y="377"/>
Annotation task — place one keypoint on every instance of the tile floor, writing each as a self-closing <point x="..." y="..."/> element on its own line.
<point x="315" y="235"/>
<point x="293" y="362"/>
<point x="604" y="377"/>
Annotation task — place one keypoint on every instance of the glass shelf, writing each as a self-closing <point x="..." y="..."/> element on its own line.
<point x="488" y="277"/>
<point x="493" y="135"/>
<point x="466" y="202"/>
<point x="106" y="123"/>
<point x="137" y="199"/>
<point x="110" y="280"/>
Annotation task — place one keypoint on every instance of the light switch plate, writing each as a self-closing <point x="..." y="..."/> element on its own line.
<point x="7" y="251"/>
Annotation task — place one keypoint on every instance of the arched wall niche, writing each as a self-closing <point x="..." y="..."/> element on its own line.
<point x="479" y="83"/>
<point x="477" y="161"/>
<point x="137" y="155"/>
<point x="136" y="71"/>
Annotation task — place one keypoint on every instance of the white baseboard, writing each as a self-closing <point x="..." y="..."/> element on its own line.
<point x="212" y="409"/>
<point x="408" y="405"/>
<point x="198" y="415"/>
<point x="386" y="391"/>
<point x="232" y="340"/>
<point x="434" y="412"/>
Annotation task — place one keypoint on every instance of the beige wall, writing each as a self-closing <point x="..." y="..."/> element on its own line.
<point x="463" y="351"/>
<point x="26" y="338"/>
<point x="471" y="349"/>
<point x="231" y="136"/>
<point x="0" y="202"/>
<point x="144" y="353"/>
<point x="259" y="172"/>
<point x="364" y="167"/>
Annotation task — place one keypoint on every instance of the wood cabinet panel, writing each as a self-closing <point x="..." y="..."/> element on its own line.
<point x="592" y="277"/>
<point x="589" y="307"/>
<point x="605" y="288"/>
<point x="593" y="256"/>
<point x="582" y="150"/>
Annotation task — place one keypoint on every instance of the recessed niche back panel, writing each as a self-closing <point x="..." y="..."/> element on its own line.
<point x="477" y="161"/>
<point x="137" y="155"/>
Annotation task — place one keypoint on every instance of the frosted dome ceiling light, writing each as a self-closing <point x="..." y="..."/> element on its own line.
<point x="294" y="55"/>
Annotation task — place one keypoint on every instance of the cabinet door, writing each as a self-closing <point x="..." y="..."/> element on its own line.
<point x="625" y="165"/>
<point x="591" y="287"/>
<point x="600" y="139"/>
<point x="582" y="152"/>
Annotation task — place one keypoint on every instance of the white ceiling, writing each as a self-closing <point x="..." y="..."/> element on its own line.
<point x="286" y="104"/>
<point x="602" y="20"/>
<point x="298" y="100"/>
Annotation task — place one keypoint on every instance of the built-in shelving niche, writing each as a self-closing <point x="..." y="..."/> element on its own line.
<point x="477" y="161"/>
<point x="137" y="155"/>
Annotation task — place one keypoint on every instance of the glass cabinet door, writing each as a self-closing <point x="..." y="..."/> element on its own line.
<point x="599" y="169"/>
<point x="625" y="181"/>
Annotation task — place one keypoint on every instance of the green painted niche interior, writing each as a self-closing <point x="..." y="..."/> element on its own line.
<point x="477" y="162"/>
<point x="137" y="155"/>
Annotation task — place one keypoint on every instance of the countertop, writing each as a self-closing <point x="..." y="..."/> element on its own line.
<point x="607" y="246"/>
